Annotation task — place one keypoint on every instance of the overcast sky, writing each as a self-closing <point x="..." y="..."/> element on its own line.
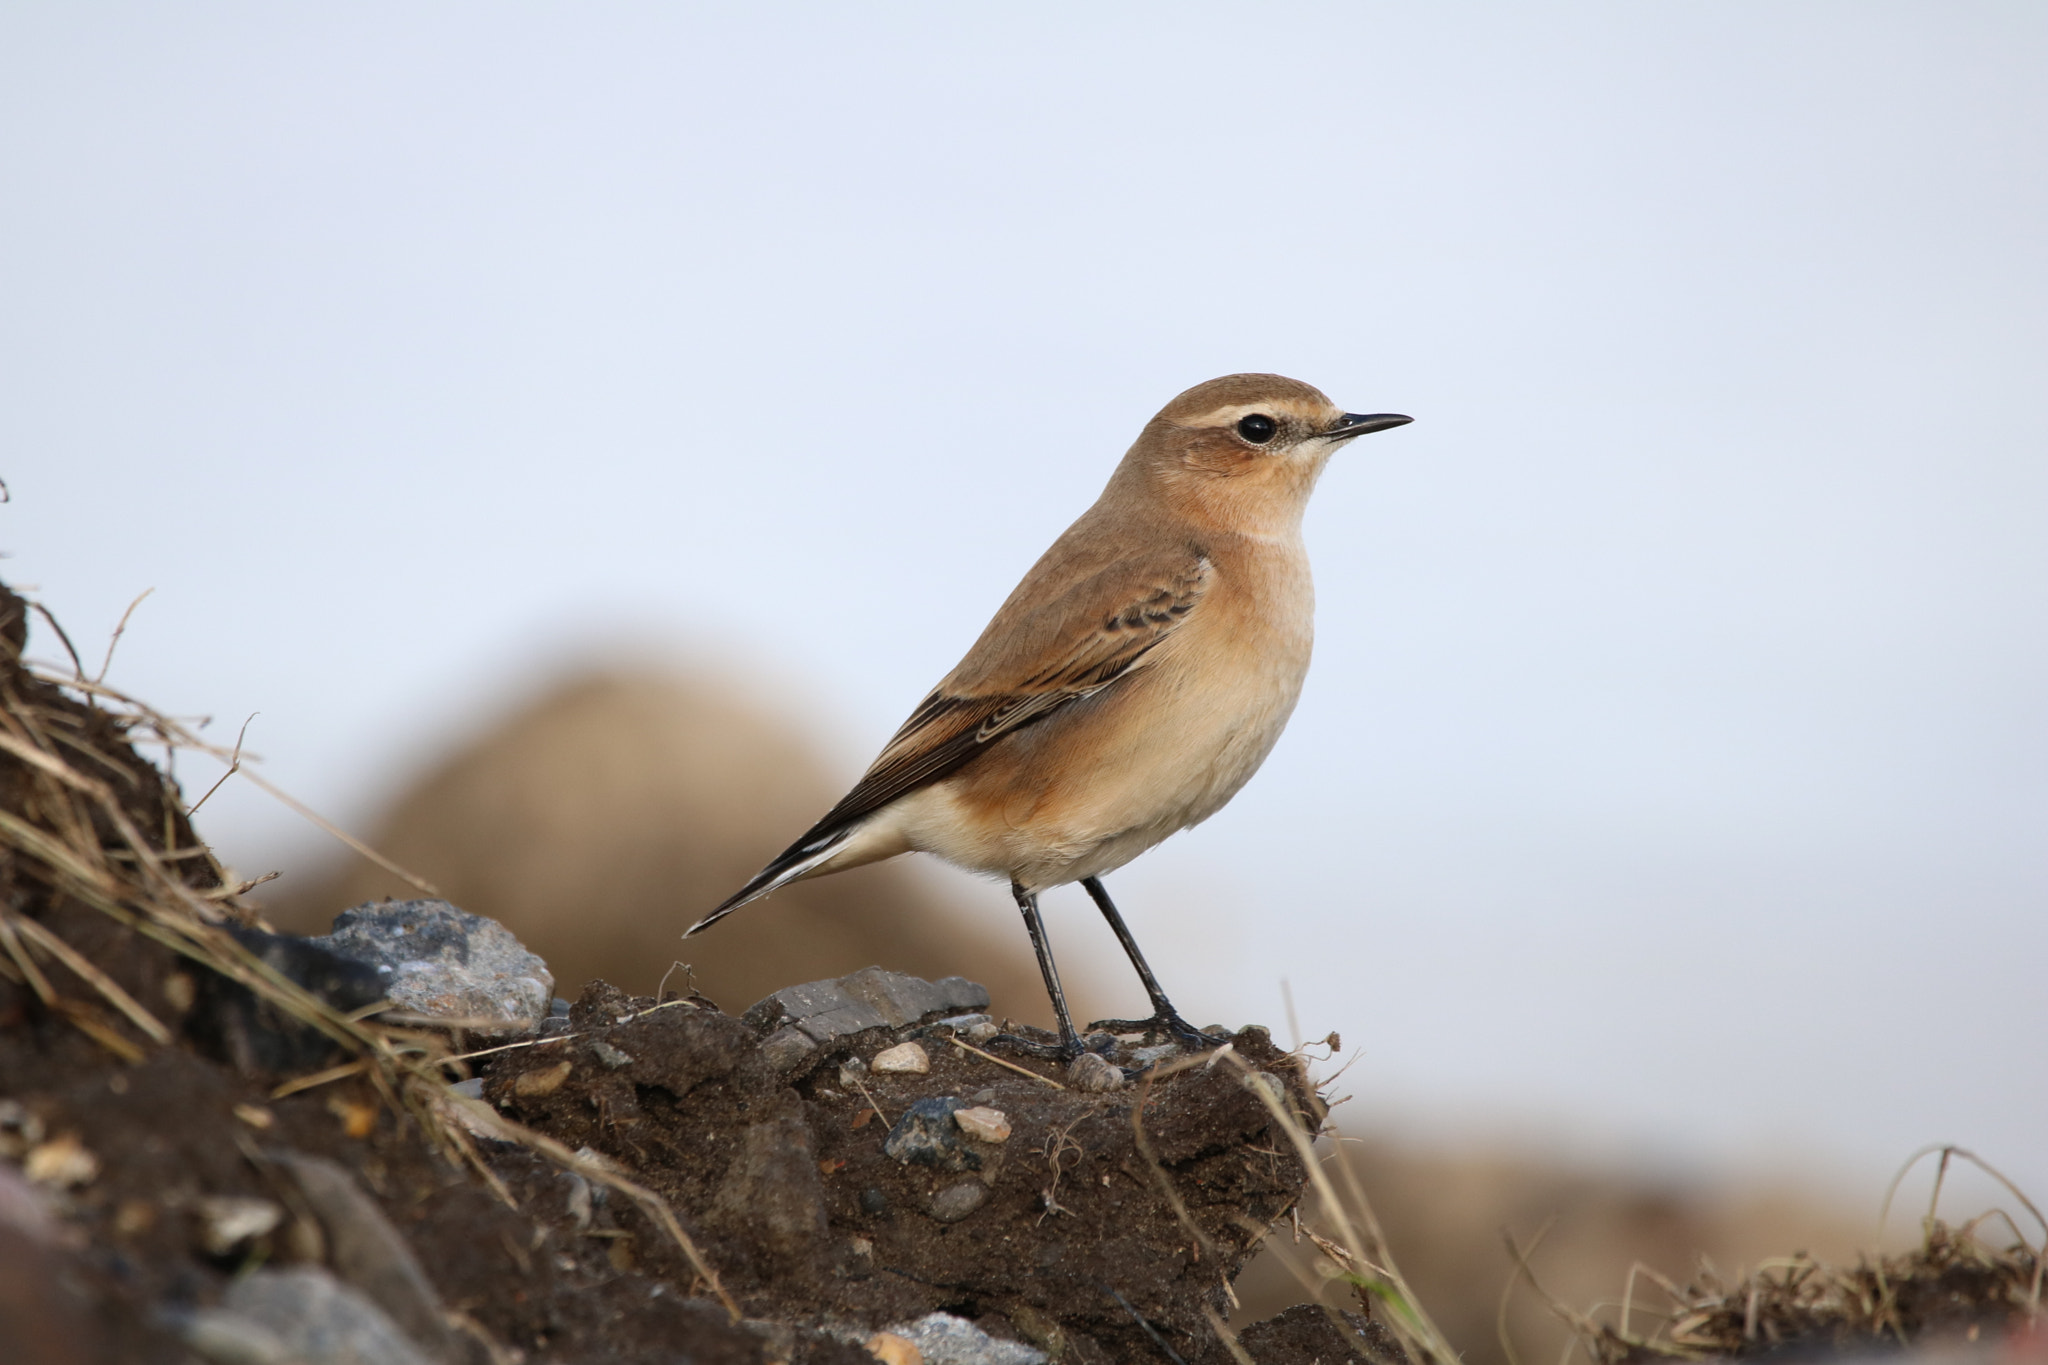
<point x="1671" y="781"/>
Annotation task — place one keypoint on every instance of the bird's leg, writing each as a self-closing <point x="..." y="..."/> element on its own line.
<point x="1164" y="1016"/>
<point x="1070" y="1043"/>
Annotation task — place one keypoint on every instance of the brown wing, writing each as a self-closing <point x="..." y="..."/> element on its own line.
<point x="1049" y="646"/>
<point x="1034" y="659"/>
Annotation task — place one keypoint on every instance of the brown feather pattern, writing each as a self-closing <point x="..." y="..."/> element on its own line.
<point x="1113" y="618"/>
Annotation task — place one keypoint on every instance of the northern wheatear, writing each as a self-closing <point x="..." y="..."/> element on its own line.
<point x="1131" y="684"/>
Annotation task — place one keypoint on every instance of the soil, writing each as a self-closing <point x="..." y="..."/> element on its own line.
<point x="808" y="1223"/>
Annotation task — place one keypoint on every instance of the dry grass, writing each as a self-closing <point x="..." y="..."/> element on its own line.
<point x="1958" y="1278"/>
<point x="72" y="823"/>
<point x="1352" y="1246"/>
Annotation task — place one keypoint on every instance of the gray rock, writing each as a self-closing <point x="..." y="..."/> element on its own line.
<point x="901" y="999"/>
<point x="801" y="1024"/>
<point x="946" y="1340"/>
<point x="227" y="1338"/>
<point x="927" y="1136"/>
<point x="612" y="1057"/>
<point x="366" y="1252"/>
<point x="788" y="1048"/>
<point x="320" y="1320"/>
<point x="435" y="959"/>
<point x="955" y="1202"/>
<point x="818" y="1010"/>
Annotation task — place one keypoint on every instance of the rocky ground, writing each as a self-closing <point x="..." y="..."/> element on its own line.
<point x="874" y="1177"/>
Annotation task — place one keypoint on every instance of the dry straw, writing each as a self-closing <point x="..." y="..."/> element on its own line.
<point x="66" y="827"/>
<point x="1953" y="1275"/>
<point x="1355" y="1250"/>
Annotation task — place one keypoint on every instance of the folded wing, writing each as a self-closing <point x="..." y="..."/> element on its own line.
<point x="1051" y="645"/>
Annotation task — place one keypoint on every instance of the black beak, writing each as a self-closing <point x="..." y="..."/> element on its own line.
<point x="1360" y="423"/>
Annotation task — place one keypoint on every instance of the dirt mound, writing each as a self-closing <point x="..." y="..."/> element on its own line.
<point x="853" y="1196"/>
<point x="205" y="1151"/>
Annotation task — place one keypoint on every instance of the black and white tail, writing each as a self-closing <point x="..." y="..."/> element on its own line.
<point x="793" y="862"/>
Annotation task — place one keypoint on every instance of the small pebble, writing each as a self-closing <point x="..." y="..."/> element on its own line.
<point x="471" y="1089"/>
<point x="62" y="1162"/>
<point x="873" y="1201"/>
<point x="610" y="1055"/>
<point x="579" y="1201"/>
<point x="988" y="1125"/>
<point x="904" y="1057"/>
<point x="1275" y="1087"/>
<point x="533" y="1084"/>
<point x="955" y="1202"/>
<point x="1092" y="1075"/>
<point x="179" y="991"/>
<point x="134" y="1217"/>
<point x="891" y="1349"/>
<point x="225" y="1222"/>
<point x="987" y="1096"/>
<point x="19" y="1129"/>
<point x="358" y="1117"/>
<point x="975" y="1028"/>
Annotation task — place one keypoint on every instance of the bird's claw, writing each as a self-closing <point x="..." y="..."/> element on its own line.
<point x="1062" y="1053"/>
<point x="1168" y="1024"/>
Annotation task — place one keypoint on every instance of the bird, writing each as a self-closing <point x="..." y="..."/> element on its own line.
<point x="1127" y="689"/>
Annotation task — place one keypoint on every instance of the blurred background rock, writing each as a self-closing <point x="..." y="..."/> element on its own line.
<point x="603" y="816"/>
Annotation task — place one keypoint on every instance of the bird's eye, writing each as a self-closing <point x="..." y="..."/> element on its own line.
<point x="1257" y="428"/>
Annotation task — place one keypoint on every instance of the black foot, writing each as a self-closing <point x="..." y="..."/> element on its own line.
<point x="1169" y="1025"/>
<point x="1045" y="1052"/>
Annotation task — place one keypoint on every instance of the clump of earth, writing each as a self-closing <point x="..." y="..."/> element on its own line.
<point x="880" y="1184"/>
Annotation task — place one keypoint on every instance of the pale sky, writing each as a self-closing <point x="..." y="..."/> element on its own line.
<point x="1671" y="781"/>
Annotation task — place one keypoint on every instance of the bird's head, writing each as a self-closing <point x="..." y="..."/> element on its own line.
<point x="1245" y="450"/>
